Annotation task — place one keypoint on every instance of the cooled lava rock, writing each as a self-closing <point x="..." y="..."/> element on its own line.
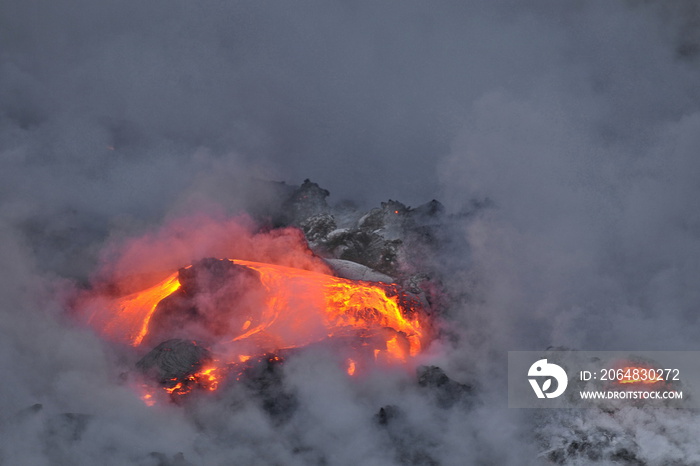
<point x="211" y="275"/>
<point x="306" y="201"/>
<point x="265" y="380"/>
<point x="387" y="414"/>
<point x="447" y="392"/>
<point x="317" y="227"/>
<point x="354" y="271"/>
<point x="173" y="361"/>
<point x="365" y="247"/>
<point x="394" y="239"/>
<point x="596" y="445"/>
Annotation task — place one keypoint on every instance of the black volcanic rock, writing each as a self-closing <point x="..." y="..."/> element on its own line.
<point x="306" y="201"/>
<point x="432" y="209"/>
<point x="393" y="239"/>
<point x="173" y="361"/>
<point x="388" y="414"/>
<point x="447" y="392"/>
<point x="317" y="227"/>
<point x="265" y="381"/>
<point x="262" y="380"/>
<point x="216" y="297"/>
<point x="596" y="445"/>
<point x="390" y="213"/>
<point x="365" y="247"/>
<point x="211" y="275"/>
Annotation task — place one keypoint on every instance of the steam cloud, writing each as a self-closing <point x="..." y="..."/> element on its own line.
<point x="576" y="125"/>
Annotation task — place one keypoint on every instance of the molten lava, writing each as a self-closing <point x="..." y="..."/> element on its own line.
<point x="294" y="308"/>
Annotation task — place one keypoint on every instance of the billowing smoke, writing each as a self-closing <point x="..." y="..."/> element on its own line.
<point x="560" y="136"/>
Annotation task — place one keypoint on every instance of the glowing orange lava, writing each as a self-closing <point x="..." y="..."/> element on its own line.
<point x="129" y="321"/>
<point x="351" y="367"/>
<point x="300" y="307"/>
<point x="148" y="399"/>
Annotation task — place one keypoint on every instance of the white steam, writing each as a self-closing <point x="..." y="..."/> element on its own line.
<point x="578" y="121"/>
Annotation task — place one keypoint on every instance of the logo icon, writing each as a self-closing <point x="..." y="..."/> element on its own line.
<point x="547" y="371"/>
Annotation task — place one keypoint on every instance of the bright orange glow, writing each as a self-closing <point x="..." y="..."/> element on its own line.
<point x="180" y="388"/>
<point x="148" y="399"/>
<point x="393" y="347"/>
<point x="129" y="322"/>
<point x="341" y="304"/>
<point x="208" y="378"/>
<point x="300" y="307"/>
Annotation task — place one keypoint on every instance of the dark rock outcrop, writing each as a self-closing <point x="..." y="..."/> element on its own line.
<point x="214" y="297"/>
<point x="173" y="361"/>
<point x="446" y="391"/>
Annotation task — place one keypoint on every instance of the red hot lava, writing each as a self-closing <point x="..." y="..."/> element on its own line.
<point x="243" y="309"/>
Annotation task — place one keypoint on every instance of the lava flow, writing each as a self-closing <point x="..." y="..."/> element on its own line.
<point x="233" y="313"/>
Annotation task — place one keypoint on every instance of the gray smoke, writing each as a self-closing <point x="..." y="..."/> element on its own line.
<point x="575" y="125"/>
